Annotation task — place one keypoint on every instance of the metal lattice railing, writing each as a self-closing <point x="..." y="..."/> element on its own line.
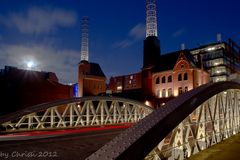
<point x="81" y="112"/>
<point x="213" y="121"/>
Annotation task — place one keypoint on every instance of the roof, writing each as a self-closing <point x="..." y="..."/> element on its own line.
<point x="96" y="70"/>
<point x="168" y="61"/>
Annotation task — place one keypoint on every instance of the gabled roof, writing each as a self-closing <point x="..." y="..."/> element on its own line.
<point x="168" y="61"/>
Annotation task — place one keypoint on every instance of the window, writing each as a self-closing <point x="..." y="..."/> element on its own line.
<point x="164" y="93"/>
<point x="180" y="91"/>
<point x="158" y="93"/>
<point x="169" y="78"/>
<point x="180" y="77"/>
<point x="182" y="65"/>
<point x="185" y="76"/>
<point x="169" y="92"/>
<point x="163" y="79"/>
<point x="186" y="89"/>
<point x="157" y="80"/>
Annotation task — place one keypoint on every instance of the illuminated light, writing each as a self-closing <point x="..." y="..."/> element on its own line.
<point x="147" y="103"/>
<point x="119" y="88"/>
<point x="211" y="49"/>
<point x="30" y="64"/>
<point x="225" y="92"/>
<point x="162" y="104"/>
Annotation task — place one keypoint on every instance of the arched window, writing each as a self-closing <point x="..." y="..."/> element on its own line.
<point x="169" y="78"/>
<point x="157" y="80"/>
<point x="185" y="76"/>
<point x="180" y="77"/>
<point x="163" y="79"/>
<point x="180" y="91"/>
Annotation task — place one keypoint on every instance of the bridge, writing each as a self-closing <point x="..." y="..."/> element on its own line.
<point x="192" y="122"/>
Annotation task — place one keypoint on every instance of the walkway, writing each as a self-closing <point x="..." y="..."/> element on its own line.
<point x="228" y="149"/>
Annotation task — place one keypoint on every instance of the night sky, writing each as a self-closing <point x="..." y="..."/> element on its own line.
<point x="48" y="32"/>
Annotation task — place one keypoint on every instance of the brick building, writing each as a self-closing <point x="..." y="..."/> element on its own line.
<point x="21" y="88"/>
<point x="91" y="79"/>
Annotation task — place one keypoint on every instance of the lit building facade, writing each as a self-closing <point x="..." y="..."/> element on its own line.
<point x="91" y="79"/>
<point x="125" y="83"/>
<point x="221" y="59"/>
<point x="178" y="77"/>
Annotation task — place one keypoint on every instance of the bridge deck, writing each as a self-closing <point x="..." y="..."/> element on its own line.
<point x="64" y="147"/>
<point x="228" y="149"/>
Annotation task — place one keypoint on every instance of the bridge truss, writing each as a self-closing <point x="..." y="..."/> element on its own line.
<point x="184" y="126"/>
<point x="213" y="121"/>
<point x="78" y="112"/>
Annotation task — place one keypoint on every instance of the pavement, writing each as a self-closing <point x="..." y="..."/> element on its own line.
<point x="228" y="149"/>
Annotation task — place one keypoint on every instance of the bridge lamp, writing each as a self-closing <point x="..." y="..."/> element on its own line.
<point x="147" y="103"/>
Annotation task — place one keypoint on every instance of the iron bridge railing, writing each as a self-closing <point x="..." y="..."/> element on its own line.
<point x="77" y="112"/>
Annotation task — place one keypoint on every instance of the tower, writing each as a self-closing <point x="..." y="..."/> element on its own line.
<point x="84" y="44"/>
<point x="151" y="19"/>
<point x="82" y="68"/>
<point x="151" y="48"/>
<point x="151" y="43"/>
<point x="91" y="79"/>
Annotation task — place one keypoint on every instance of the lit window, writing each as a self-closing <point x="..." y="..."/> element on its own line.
<point x="130" y="81"/>
<point x="170" y="92"/>
<point x="211" y="49"/>
<point x="119" y="88"/>
<point x="163" y="79"/>
<point x="164" y="93"/>
<point x="185" y="76"/>
<point x="180" y="77"/>
<point x="158" y="93"/>
<point x="169" y="78"/>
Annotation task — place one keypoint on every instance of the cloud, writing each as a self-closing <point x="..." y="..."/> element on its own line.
<point x="138" y="32"/>
<point x="46" y="58"/>
<point x="135" y="34"/>
<point x="40" y="20"/>
<point x="178" y="33"/>
<point x="123" y="44"/>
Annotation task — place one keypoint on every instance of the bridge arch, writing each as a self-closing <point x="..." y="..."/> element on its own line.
<point x="216" y="107"/>
<point x="76" y="112"/>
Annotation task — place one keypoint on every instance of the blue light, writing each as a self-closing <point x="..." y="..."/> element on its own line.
<point x="75" y="90"/>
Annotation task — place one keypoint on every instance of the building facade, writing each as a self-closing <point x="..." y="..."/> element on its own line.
<point x="221" y="59"/>
<point x="91" y="79"/>
<point x="175" y="73"/>
<point x="125" y="83"/>
<point x="180" y="77"/>
<point x="24" y="88"/>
